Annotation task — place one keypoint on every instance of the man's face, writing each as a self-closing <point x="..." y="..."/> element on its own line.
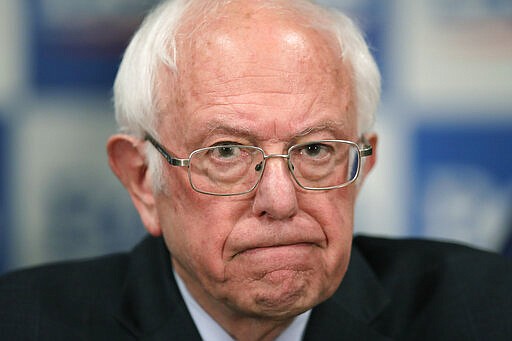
<point x="278" y="250"/>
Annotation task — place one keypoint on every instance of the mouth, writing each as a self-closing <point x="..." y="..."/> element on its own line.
<point x="265" y="242"/>
<point x="275" y="249"/>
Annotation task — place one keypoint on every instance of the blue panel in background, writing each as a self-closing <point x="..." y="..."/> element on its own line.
<point x="463" y="182"/>
<point x="78" y="44"/>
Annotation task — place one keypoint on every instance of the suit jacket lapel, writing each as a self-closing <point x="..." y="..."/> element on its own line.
<point x="151" y="307"/>
<point x="348" y="314"/>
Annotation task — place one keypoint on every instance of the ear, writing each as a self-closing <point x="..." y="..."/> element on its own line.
<point x="128" y="162"/>
<point x="369" y="161"/>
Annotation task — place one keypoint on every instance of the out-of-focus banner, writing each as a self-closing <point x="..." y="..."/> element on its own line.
<point x="463" y="182"/>
<point x="455" y="51"/>
<point x="79" y="43"/>
<point x="67" y="203"/>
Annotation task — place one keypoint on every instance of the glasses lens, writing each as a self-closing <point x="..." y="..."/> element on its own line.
<point x="225" y="169"/>
<point x="325" y="164"/>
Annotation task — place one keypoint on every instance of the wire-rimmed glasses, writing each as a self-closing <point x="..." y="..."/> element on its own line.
<point x="232" y="169"/>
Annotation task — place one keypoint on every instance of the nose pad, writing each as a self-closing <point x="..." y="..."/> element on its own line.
<point x="259" y="166"/>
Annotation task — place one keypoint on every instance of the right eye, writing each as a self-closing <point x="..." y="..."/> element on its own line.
<point x="226" y="152"/>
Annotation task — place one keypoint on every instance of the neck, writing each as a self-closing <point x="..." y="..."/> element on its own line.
<point x="255" y="329"/>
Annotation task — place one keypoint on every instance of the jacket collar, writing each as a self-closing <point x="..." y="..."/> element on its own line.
<point x="349" y="313"/>
<point x="152" y="308"/>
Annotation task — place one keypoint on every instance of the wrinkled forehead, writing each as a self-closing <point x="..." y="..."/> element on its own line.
<point x="248" y="45"/>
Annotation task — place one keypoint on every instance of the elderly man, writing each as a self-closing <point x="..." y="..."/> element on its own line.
<point x="244" y="142"/>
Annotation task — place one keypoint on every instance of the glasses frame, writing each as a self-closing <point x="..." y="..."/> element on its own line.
<point x="364" y="149"/>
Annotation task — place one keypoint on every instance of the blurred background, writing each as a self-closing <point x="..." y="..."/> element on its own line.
<point x="445" y="124"/>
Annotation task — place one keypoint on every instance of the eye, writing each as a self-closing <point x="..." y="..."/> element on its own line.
<point x="315" y="150"/>
<point x="226" y="152"/>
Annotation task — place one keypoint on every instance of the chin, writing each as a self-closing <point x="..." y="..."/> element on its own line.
<point x="282" y="295"/>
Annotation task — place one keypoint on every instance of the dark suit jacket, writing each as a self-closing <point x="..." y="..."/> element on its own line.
<point x="406" y="290"/>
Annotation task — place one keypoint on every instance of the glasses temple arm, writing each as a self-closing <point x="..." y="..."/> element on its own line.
<point x="171" y="160"/>
<point x="366" y="149"/>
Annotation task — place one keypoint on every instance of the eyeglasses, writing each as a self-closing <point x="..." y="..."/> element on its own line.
<point x="233" y="169"/>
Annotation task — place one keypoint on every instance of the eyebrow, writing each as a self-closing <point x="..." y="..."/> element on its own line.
<point x="221" y="129"/>
<point x="231" y="130"/>
<point x="220" y="126"/>
<point x="332" y="126"/>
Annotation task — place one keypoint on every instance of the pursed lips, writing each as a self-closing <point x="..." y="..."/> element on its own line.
<point x="271" y="247"/>
<point x="257" y="238"/>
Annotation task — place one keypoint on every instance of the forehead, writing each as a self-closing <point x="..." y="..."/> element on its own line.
<point x="260" y="69"/>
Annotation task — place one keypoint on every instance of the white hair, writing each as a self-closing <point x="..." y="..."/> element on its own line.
<point x="155" y="45"/>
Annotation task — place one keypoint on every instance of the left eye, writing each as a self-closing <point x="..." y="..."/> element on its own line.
<point x="226" y="152"/>
<point x="314" y="150"/>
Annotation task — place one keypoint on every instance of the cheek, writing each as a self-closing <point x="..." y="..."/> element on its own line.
<point x="195" y="228"/>
<point x="334" y="212"/>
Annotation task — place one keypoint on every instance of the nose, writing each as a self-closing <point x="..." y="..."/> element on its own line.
<point x="276" y="195"/>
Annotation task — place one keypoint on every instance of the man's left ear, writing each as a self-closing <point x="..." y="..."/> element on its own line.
<point x="369" y="161"/>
